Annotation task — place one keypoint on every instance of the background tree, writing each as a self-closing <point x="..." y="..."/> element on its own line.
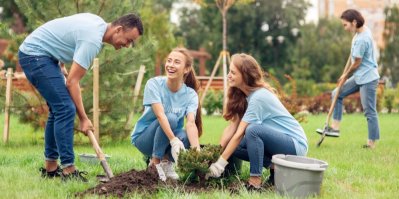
<point x="11" y="15"/>
<point x="249" y="24"/>
<point x="320" y="54"/>
<point x="117" y="68"/>
<point x="12" y="24"/>
<point x="390" y="54"/>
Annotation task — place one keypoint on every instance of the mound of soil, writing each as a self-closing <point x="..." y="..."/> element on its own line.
<point x="147" y="182"/>
<point x="143" y="181"/>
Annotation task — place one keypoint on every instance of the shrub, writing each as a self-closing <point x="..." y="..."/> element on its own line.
<point x="319" y="104"/>
<point x="213" y="101"/>
<point x="322" y="103"/>
<point x="389" y="99"/>
<point x="12" y="43"/>
<point x="291" y="102"/>
<point x="26" y="103"/>
<point x="194" y="164"/>
<point x="304" y="88"/>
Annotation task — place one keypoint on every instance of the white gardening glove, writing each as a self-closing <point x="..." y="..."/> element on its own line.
<point x="177" y="145"/>
<point x="216" y="169"/>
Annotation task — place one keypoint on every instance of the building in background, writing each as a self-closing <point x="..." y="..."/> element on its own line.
<point x="372" y="11"/>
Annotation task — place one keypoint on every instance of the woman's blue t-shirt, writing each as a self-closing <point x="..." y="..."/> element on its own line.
<point x="182" y="102"/>
<point x="265" y="108"/>
<point x="363" y="47"/>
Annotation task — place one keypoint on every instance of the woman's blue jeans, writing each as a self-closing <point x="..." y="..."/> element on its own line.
<point x="45" y="75"/>
<point x="153" y="142"/>
<point x="368" y="98"/>
<point x="260" y="143"/>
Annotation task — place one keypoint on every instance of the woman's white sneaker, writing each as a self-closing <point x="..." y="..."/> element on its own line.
<point x="170" y="172"/>
<point x="161" y="172"/>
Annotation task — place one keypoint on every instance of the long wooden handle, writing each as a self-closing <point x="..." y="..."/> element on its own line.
<point x="339" y="86"/>
<point x="100" y="154"/>
<point x="348" y="64"/>
<point x="334" y="100"/>
<point x="96" y="147"/>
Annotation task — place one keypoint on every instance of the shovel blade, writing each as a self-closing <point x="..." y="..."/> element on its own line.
<point x="323" y="135"/>
<point x="106" y="168"/>
<point x="102" y="178"/>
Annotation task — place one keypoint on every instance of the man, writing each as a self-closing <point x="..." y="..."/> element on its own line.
<point x="75" y="39"/>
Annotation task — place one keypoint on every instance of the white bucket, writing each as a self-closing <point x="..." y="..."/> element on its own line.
<point x="298" y="176"/>
<point x="91" y="158"/>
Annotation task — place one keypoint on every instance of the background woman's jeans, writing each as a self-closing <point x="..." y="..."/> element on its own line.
<point x="153" y="142"/>
<point x="368" y="98"/>
<point x="45" y="75"/>
<point x="260" y="143"/>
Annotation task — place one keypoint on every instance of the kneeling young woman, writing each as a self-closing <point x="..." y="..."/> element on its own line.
<point x="260" y="126"/>
<point x="169" y="99"/>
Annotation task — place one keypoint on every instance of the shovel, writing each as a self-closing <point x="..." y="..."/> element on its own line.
<point x="100" y="155"/>
<point x="323" y="135"/>
<point x="339" y="86"/>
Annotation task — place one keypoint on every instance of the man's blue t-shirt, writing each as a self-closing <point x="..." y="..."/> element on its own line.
<point x="74" y="38"/>
<point x="362" y="47"/>
<point x="265" y="108"/>
<point x="182" y="102"/>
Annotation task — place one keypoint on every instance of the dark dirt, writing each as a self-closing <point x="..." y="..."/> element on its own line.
<point x="143" y="181"/>
<point x="146" y="182"/>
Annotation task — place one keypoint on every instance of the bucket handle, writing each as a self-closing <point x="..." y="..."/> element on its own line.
<point x="280" y="159"/>
<point x="324" y="166"/>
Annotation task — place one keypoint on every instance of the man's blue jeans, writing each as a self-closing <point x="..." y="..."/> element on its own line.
<point x="260" y="143"/>
<point x="153" y="142"/>
<point x="45" y="75"/>
<point x="368" y="98"/>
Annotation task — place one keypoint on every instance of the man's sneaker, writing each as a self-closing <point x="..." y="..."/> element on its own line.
<point x="161" y="172"/>
<point x="329" y="132"/>
<point x="76" y="175"/>
<point x="50" y="174"/>
<point x="170" y="172"/>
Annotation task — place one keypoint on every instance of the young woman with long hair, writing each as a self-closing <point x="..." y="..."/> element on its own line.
<point x="169" y="99"/>
<point x="260" y="126"/>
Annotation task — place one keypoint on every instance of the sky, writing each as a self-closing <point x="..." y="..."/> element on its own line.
<point x="312" y="15"/>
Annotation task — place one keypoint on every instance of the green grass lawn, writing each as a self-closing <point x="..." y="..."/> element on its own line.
<point x="353" y="172"/>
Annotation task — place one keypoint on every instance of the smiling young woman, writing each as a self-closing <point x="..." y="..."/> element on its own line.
<point x="168" y="101"/>
<point x="260" y="126"/>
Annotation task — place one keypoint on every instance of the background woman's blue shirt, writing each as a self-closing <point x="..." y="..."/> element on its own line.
<point x="363" y="47"/>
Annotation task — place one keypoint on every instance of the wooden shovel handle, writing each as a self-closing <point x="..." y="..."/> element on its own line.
<point x="96" y="147"/>
<point x="100" y="154"/>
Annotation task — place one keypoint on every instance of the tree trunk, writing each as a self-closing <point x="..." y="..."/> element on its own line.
<point x="201" y="178"/>
<point x="224" y="30"/>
